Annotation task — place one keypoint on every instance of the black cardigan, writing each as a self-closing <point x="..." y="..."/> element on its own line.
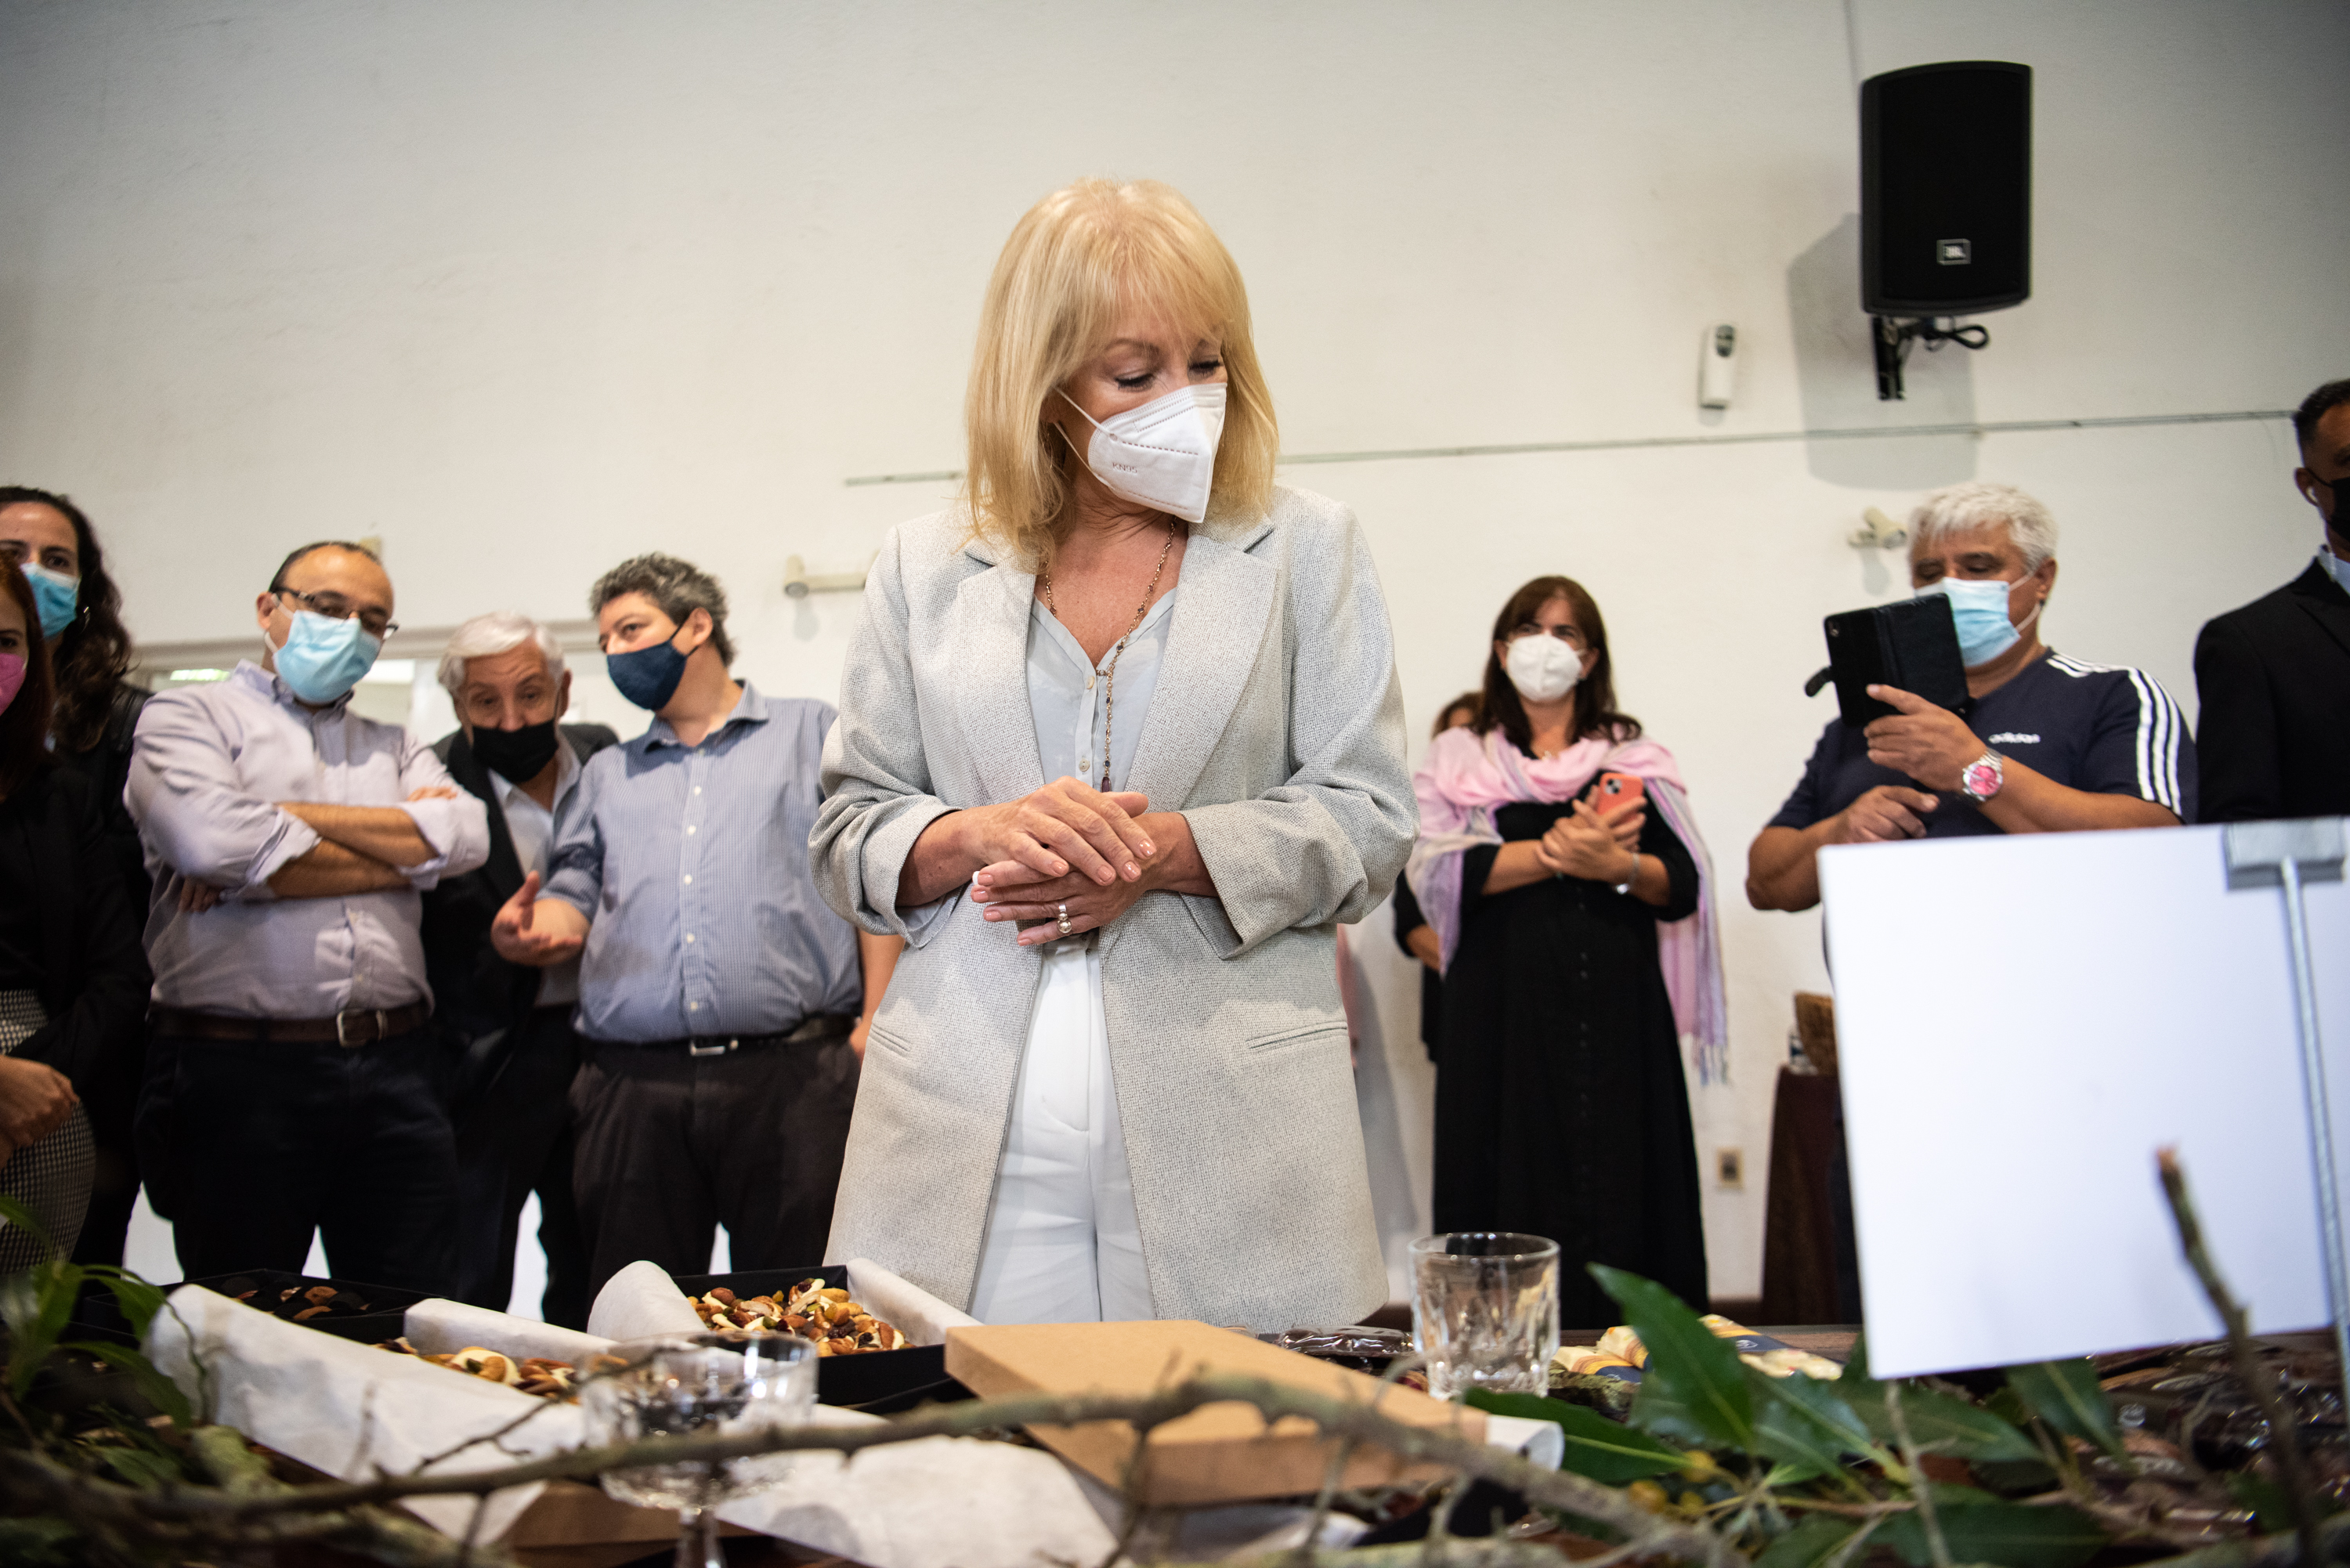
<point x="94" y="980"/>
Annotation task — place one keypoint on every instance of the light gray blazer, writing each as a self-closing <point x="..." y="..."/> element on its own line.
<point x="1277" y="729"/>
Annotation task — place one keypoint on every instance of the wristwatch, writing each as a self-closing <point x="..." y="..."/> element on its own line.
<point x="1983" y="778"/>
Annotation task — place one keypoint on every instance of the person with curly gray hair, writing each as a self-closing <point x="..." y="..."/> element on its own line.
<point x="722" y="1006"/>
<point x="2047" y="743"/>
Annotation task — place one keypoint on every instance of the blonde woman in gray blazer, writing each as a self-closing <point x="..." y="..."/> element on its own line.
<point x="1119" y="747"/>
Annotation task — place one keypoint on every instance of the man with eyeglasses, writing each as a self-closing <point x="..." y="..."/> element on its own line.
<point x="504" y="673"/>
<point x="2274" y="676"/>
<point x="294" y="1083"/>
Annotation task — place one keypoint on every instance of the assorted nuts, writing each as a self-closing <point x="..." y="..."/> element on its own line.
<point x="538" y="1374"/>
<point x="811" y="1309"/>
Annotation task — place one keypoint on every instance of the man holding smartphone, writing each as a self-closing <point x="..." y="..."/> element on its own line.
<point x="2050" y="745"/>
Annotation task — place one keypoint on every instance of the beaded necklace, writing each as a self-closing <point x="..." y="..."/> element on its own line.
<point x="1110" y="676"/>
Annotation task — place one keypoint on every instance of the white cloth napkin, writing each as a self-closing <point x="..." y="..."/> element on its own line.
<point x="939" y="1502"/>
<point x="640" y="1301"/>
<point x="912" y="1310"/>
<point x="350" y="1409"/>
<point x="1542" y="1442"/>
<point x="436" y="1327"/>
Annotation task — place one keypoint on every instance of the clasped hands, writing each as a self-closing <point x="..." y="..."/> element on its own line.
<point x="1927" y="743"/>
<point x="1067" y="845"/>
<point x="1594" y="845"/>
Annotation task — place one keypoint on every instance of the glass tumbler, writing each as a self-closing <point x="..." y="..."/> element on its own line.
<point x="700" y="1385"/>
<point x="1484" y="1310"/>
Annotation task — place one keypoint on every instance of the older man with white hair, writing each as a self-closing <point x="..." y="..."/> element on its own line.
<point x="504" y="673"/>
<point x="2046" y="745"/>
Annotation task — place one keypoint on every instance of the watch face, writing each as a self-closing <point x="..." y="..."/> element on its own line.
<point x="1980" y="780"/>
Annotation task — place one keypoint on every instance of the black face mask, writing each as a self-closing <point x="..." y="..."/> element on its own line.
<point x="516" y="755"/>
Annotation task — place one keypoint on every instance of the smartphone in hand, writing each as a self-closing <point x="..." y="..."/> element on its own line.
<point x="1618" y="791"/>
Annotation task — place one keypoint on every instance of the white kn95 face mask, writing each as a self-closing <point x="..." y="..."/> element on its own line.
<point x="1164" y="453"/>
<point x="1542" y="666"/>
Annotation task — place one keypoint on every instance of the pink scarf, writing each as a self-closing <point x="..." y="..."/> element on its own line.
<point x="1467" y="777"/>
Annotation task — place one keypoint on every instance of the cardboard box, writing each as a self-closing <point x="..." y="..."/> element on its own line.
<point x="1218" y="1453"/>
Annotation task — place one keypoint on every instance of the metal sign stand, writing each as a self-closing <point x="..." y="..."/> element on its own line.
<point x="2287" y="855"/>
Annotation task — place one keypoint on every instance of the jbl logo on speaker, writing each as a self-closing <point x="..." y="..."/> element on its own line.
<point x="1954" y="252"/>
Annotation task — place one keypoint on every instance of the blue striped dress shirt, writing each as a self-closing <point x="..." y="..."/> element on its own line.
<point x="691" y="865"/>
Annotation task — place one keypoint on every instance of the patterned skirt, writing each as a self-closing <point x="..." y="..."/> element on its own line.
<point x="51" y="1178"/>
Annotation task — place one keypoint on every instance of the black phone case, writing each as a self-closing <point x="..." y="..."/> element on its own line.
<point x="1911" y="643"/>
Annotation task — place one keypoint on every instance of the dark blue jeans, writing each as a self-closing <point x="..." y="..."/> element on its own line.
<point x="250" y="1146"/>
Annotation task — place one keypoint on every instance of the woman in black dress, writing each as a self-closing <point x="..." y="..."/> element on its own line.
<point x="96" y="708"/>
<point x="73" y="982"/>
<point x="1577" y="954"/>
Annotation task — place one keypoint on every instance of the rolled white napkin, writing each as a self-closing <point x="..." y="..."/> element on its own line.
<point x="350" y="1409"/>
<point x="436" y="1327"/>
<point x="921" y="1317"/>
<point x="639" y="1301"/>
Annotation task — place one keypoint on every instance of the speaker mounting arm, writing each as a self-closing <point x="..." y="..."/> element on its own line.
<point x="1892" y="334"/>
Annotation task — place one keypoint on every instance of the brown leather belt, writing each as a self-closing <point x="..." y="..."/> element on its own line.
<point x="353" y="1026"/>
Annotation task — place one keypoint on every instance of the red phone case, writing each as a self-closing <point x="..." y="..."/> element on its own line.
<point x="1615" y="791"/>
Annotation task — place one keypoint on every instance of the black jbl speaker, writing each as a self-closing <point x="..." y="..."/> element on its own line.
<point x="1946" y="189"/>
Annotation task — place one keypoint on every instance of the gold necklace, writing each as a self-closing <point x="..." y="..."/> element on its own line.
<point x="1110" y="676"/>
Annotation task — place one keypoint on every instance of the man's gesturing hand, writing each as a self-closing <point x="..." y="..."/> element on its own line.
<point x="521" y="937"/>
<point x="1931" y="745"/>
<point x="1887" y="812"/>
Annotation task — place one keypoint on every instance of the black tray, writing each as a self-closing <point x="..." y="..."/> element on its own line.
<point x="880" y="1382"/>
<point x="387" y="1319"/>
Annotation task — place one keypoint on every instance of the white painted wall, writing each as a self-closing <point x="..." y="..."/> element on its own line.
<point x="525" y="287"/>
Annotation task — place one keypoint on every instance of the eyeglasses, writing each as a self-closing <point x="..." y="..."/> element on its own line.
<point x="374" y="622"/>
<point x="1565" y="634"/>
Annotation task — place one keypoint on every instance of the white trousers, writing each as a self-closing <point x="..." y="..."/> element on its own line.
<point x="1063" y="1242"/>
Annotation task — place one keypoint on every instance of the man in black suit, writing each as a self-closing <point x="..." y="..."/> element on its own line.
<point x="2274" y="676"/>
<point x="504" y="672"/>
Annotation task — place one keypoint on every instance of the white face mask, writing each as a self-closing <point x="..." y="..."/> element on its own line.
<point x="1543" y="668"/>
<point x="1162" y="455"/>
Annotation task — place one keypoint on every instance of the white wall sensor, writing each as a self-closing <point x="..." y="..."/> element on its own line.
<point x="1717" y="366"/>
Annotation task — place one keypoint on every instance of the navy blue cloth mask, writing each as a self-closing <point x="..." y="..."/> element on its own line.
<point x="647" y="676"/>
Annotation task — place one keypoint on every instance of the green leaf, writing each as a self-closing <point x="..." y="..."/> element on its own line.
<point x="1937" y="1423"/>
<point x="1810" y="1544"/>
<point x="139" y="1299"/>
<point x="2066" y="1395"/>
<point x="36" y="1305"/>
<point x="16" y="1214"/>
<point x="2268" y="1500"/>
<point x="1603" y="1449"/>
<point x="2007" y="1534"/>
<point x="1806" y="1421"/>
<point x="39" y="1543"/>
<point x="1698" y="1382"/>
<point x="160" y="1390"/>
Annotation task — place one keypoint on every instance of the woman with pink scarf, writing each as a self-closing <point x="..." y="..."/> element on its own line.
<point x="1578" y="959"/>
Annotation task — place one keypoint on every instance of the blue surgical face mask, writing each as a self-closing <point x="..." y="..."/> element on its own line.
<point x="647" y="676"/>
<point x="324" y="657"/>
<point x="1979" y="605"/>
<point x="56" y="595"/>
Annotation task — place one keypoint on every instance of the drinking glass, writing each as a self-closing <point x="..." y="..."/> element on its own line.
<point x="706" y="1385"/>
<point x="1484" y="1310"/>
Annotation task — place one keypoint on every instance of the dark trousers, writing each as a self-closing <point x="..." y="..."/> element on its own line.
<point x="514" y="1138"/>
<point x="669" y="1147"/>
<point x="249" y="1146"/>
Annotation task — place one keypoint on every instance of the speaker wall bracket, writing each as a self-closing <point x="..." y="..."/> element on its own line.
<point x="1892" y="336"/>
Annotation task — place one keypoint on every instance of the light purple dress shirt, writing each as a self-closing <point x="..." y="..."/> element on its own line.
<point x="207" y="768"/>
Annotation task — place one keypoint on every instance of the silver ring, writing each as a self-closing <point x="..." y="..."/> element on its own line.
<point x="1064" y="910"/>
<point x="1064" y="925"/>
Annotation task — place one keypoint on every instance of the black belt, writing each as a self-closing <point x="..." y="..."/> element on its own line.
<point x="810" y="1031"/>
<point x="353" y="1026"/>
